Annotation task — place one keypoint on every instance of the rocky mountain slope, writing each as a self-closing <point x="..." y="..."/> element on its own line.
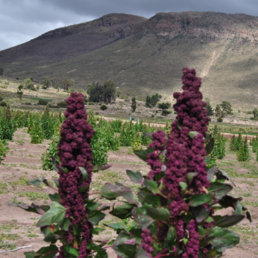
<point x="146" y="55"/>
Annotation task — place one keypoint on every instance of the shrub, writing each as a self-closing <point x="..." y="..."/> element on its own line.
<point x="165" y="112"/>
<point x="42" y="102"/>
<point x="164" y="105"/>
<point x="151" y="101"/>
<point x="62" y="104"/>
<point x="103" y="107"/>
<point x="3" y="104"/>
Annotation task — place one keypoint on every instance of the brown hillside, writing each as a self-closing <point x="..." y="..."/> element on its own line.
<point x="143" y="55"/>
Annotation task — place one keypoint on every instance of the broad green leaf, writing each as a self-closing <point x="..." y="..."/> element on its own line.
<point x="151" y="186"/>
<point x="55" y="197"/>
<point x="46" y="252"/>
<point x="147" y="197"/>
<point x="140" y="253"/>
<point x="199" y="199"/>
<point x="200" y="214"/>
<point x="219" y="189"/>
<point x="192" y="134"/>
<point x="227" y="221"/>
<point x="123" y="211"/>
<point x="190" y="177"/>
<point x="55" y="214"/>
<point x="115" y="226"/>
<point x="211" y="172"/>
<point x="135" y="177"/>
<point x="158" y="213"/>
<point x="183" y="185"/>
<point x="71" y="251"/>
<point x="84" y="173"/>
<point x="143" y="154"/>
<point x="112" y="191"/>
<point x="221" y="239"/>
<point x="96" y="217"/>
<point x="35" y="181"/>
<point x="229" y="201"/>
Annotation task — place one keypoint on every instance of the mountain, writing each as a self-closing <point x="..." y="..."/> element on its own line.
<point x="147" y="55"/>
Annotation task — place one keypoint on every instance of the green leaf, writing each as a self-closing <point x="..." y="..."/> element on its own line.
<point x="140" y="253"/>
<point x="55" y="197"/>
<point x="71" y="251"/>
<point x="219" y="189"/>
<point x="158" y="213"/>
<point x="111" y="191"/>
<point x="192" y="134"/>
<point x="183" y="185"/>
<point x="200" y="213"/>
<point x="151" y="186"/>
<point x="227" y="221"/>
<point x="39" y="209"/>
<point x="123" y="211"/>
<point x="229" y="201"/>
<point x="221" y="174"/>
<point x="211" y="172"/>
<point x="35" y="181"/>
<point x="147" y="197"/>
<point x="238" y="209"/>
<point x="66" y="224"/>
<point x="115" y="226"/>
<point x="101" y="253"/>
<point x="199" y="199"/>
<point x="84" y="173"/>
<point x="96" y="217"/>
<point x="136" y="177"/>
<point x="221" y="239"/>
<point x="209" y="145"/>
<point x="55" y="214"/>
<point x="143" y="154"/>
<point x="171" y="237"/>
<point x="46" y="252"/>
<point x="190" y="176"/>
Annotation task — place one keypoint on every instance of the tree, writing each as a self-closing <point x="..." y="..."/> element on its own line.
<point x="164" y="105"/>
<point x="255" y="113"/>
<point x="153" y="100"/>
<point x="209" y="108"/>
<point x="46" y="83"/>
<point x="218" y="111"/>
<point x="102" y="92"/>
<point x="226" y="107"/>
<point x="19" y="91"/>
<point x="67" y="84"/>
<point x="133" y="105"/>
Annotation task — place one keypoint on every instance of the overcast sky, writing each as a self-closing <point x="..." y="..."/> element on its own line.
<point x="22" y="20"/>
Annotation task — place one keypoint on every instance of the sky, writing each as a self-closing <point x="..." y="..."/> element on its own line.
<point x="23" y="20"/>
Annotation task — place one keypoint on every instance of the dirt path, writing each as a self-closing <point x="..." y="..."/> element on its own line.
<point x="17" y="227"/>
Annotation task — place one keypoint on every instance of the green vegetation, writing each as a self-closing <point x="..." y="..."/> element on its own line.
<point x="151" y="101"/>
<point x="105" y="92"/>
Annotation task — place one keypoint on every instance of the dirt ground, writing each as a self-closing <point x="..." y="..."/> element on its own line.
<point x="22" y="163"/>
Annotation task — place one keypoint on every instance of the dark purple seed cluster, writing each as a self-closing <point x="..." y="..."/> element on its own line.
<point x="192" y="246"/>
<point x="147" y="241"/>
<point x="74" y="151"/>
<point x="158" y="145"/>
<point x="185" y="154"/>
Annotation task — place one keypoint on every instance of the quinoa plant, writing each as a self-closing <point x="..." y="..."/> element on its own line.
<point x="68" y="223"/>
<point x="173" y="212"/>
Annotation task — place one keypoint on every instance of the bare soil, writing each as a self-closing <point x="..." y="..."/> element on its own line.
<point x="22" y="163"/>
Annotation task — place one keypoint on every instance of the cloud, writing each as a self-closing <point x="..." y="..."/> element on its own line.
<point x="22" y="20"/>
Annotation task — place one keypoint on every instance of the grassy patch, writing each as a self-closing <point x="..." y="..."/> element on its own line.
<point x="3" y="188"/>
<point x="34" y="195"/>
<point x="6" y="245"/>
<point x="9" y="226"/>
<point x="8" y="236"/>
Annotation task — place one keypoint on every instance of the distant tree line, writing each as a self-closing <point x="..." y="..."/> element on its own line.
<point x="105" y="92"/>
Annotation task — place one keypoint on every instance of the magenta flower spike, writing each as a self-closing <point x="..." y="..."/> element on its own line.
<point x="75" y="152"/>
